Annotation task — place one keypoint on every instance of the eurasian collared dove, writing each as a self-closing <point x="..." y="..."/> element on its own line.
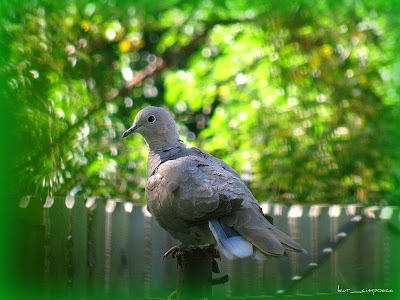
<point x="198" y="198"/>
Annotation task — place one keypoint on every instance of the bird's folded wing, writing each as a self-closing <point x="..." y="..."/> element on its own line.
<point x="201" y="189"/>
<point x="213" y="160"/>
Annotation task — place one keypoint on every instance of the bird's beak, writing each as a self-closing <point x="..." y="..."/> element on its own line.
<point x="130" y="130"/>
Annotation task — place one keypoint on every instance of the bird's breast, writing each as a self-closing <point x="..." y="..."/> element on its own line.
<point x="161" y="201"/>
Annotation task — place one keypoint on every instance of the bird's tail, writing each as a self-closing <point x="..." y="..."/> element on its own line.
<point x="231" y="244"/>
<point x="251" y="234"/>
<point x="268" y="239"/>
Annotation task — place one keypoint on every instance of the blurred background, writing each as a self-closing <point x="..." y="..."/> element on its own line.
<point x="300" y="97"/>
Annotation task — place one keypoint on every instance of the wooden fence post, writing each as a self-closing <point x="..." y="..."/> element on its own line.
<point x="194" y="276"/>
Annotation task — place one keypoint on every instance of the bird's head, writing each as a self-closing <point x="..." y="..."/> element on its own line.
<point x="156" y="126"/>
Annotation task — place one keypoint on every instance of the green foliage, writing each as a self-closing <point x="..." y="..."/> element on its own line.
<point x="300" y="98"/>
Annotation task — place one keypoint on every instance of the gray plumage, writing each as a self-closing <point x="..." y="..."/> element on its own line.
<point x="198" y="198"/>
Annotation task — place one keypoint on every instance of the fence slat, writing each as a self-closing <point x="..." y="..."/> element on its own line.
<point x="96" y="248"/>
<point x="31" y="243"/>
<point x="119" y="250"/>
<point x="58" y="240"/>
<point x="79" y="235"/>
<point x="136" y="252"/>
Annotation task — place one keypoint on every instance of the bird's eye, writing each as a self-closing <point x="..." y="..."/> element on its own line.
<point x="151" y="119"/>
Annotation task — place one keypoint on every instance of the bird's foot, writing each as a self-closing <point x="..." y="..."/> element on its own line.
<point x="173" y="251"/>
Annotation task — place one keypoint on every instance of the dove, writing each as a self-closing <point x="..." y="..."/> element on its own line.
<point x="199" y="199"/>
